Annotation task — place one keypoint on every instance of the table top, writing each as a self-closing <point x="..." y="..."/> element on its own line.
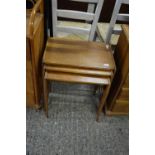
<point x="79" y="54"/>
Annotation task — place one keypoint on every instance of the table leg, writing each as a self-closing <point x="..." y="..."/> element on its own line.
<point x="95" y="89"/>
<point x="45" y="85"/>
<point x="102" y="102"/>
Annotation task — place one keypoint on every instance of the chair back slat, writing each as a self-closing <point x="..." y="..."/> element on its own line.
<point x="116" y="16"/>
<point x="123" y="17"/>
<point x="86" y="1"/>
<point x="74" y="30"/>
<point x="125" y="1"/>
<point x="75" y="14"/>
<point x="91" y="8"/>
<point x="94" y="9"/>
<point x="117" y="31"/>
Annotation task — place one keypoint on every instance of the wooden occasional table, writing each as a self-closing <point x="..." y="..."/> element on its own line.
<point x="78" y="62"/>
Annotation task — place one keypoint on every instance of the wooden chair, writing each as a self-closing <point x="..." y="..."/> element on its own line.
<point x="78" y="62"/>
<point x="109" y="32"/>
<point x="76" y="30"/>
<point x="34" y="50"/>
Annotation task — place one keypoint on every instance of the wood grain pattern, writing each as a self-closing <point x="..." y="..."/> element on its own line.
<point x="30" y="96"/>
<point x="69" y="53"/>
<point x="126" y="83"/>
<point x="29" y="79"/>
<point x="78" y="62"/>
<point x="121" y="106"/>
<point x="124" y="93"/>
<point x="78" y="71"/>
<point x="37" y="46"/>
<point x="34" y="49"/>
<point x="38" y="19"/>
<point x="103" y="101"/>
<point x="39" y="6"/>
<point x="30" y="100"/>
<point x="118" y="99"/>
<point x="76" y="78"/>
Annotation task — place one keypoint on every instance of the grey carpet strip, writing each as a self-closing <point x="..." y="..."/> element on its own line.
<point x="71" y="128"/>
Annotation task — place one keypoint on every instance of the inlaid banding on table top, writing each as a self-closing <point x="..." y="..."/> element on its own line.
<point x="76" y="78"/>
<point x="79" y="71"/>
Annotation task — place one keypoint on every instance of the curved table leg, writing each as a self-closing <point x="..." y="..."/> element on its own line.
<point x="45" y="85"/>
<point x="102" y="102"/>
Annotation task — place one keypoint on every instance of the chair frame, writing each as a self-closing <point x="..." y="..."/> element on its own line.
<point x="116" y="16"/>
<point x="88" y="16"/>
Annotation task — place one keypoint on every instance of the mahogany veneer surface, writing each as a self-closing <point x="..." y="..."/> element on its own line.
<point x="80" y="62"/>
<point x="78" y="54"/>
<point x="118" y="99"/>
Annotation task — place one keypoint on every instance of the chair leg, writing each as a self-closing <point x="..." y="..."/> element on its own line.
<point x="102" y="102"/>
<point x="45" y="85"/>
<point x="95" y="37"/>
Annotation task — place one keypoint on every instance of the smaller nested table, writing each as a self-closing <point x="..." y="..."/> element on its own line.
<point x="78" y="62"/>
